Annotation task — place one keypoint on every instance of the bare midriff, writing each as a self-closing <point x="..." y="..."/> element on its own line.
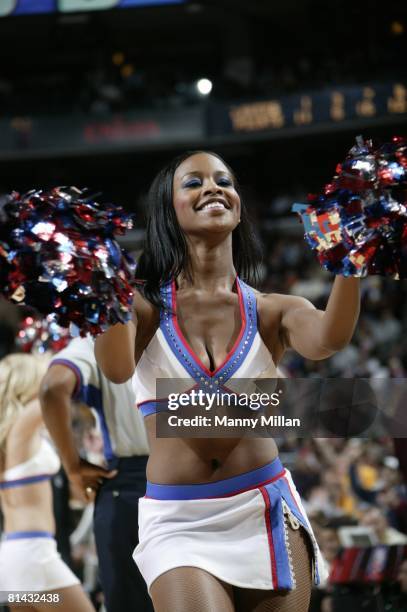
<point x="28" y="508"/>
<point x="194" y="460"/>
<point x="210" y="326"/>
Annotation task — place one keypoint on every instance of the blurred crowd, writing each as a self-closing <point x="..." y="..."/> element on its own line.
<point x="379" y="346"/>
<point x="355" y="495"/>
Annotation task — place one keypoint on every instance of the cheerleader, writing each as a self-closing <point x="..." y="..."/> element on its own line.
<point x="29" y="561"/>
<point x="222" y="526"/>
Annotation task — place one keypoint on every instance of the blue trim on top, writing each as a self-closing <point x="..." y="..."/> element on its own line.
<point x="19" y="535"/>
<point x="21" y="482"/>
<point x="186" y="359"/>
<point x="170" y="334"/>
<point x="219" y="488"/>
<point x="153" y="406"/>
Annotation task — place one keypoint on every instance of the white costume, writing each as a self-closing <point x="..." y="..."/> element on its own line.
<point x="29" y="560"/>
<point x="235" y="529"/>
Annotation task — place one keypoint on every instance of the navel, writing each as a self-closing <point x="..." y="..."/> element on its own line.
<point x="215" y="463"/>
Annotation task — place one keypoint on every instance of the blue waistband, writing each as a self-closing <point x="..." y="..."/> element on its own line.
<point x="219" y="488"/>
<point x="20" y="482"/>
<point x="19" y="535"/>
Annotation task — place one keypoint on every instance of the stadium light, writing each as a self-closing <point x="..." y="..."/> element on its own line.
<point x="204" y="86"/>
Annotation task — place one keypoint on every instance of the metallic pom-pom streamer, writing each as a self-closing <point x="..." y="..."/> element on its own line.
<point x="58" y="254"/>
<point x="358" y="225"/>
<point x="39" y="335"/>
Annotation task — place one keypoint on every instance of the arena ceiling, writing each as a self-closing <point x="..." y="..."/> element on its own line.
<point x="195" y="34"/>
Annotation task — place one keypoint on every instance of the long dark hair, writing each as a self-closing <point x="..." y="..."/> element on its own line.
<point x="165" y="253"/>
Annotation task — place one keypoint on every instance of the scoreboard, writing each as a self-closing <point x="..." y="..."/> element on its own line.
<point x="31" y="7"/>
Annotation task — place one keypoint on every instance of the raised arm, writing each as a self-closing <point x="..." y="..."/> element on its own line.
<point x="317" y="334"/>
<point x="114" y="351"/>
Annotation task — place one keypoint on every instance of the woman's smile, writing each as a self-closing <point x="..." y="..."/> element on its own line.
<point x="212" y="207"/>
<point x="204" y="186"/>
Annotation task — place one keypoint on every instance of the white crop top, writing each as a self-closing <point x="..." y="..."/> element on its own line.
<point x="41" y="466"/>
<point x="168" y="355"/>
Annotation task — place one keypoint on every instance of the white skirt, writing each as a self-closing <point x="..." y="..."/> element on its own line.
<point x="235" y="529"/>
<point x="29" y="561"/>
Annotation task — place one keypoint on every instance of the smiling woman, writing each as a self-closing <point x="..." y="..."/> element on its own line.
<point x="222" y="526"/>
<point x="166" y="252"/>
<point x="204" y="186"/>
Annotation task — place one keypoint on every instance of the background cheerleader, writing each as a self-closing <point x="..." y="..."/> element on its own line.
<point x="74" y="376"/>
<point x="29" y="560"/>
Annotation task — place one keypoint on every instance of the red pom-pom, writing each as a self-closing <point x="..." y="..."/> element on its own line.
<point x="358" y="226"/>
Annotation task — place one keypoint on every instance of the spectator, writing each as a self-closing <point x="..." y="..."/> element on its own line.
<point x="376" y="519"/>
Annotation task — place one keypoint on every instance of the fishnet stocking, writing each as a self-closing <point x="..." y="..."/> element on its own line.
<point x="297" y="600"/>
<point x="190" y="589"/>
